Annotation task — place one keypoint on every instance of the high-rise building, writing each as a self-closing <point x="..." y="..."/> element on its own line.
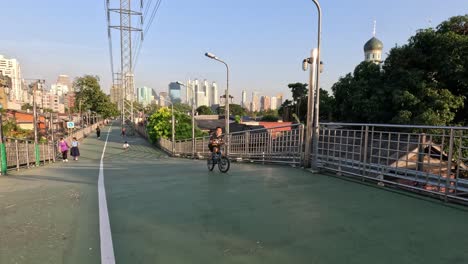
<point x="244" y="99"/>
<point x="214" y="94"/>
<point x="279" y="99"/>
<point x="207" y="89"/>
<point x="274" y="103"/>
<point x="70" y="100"/>
<point x="115" y="94"/>
<point x="59" y="89"/>
<point x="64" y="80"/>
<point x="265" y="103"/>
<point x="12" y="69"/>
<point x="144" y="95"/>
<point x="255" y="104"/>
<point x="174" y="92"/>
<point x="163" y="97"/>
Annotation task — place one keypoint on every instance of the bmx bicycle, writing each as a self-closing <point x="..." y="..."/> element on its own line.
<point x="217" y="158"/>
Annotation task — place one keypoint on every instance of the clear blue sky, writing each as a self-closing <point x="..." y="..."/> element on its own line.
<point x="263" y="41"/>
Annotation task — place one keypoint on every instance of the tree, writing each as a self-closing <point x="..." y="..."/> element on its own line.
<point x="270" y="118"/>
<point x="360" y="97"/>
<point x="204" y="110"/>
<point x="422" y="82"/>
<point x="159" y="125"/>
<point x="184" y="108"/>
<point x="26" y="106"/>
<point x="327" y="105"/>
<point x="299" y="94"/>
<point x="234" y="109"/>
<point x="89" y="93"/>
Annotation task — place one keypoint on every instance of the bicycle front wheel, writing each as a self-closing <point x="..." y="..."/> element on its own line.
<point x="224" y="164"/>
<point x="210" y="164"/>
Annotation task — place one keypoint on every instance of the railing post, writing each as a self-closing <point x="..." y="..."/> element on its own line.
<point x="247" y="144"/>
<point x="301" y="145"/>
<point x="17" y="155"/>
<point x="449" y="165"/>
<point x="421" y="154"/>
<point x="364" y="156"/>
<point x="44" y="152"/>
<point x="27" y="154"/>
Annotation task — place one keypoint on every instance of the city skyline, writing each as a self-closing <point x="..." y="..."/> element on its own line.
<point x="250" y="59"/>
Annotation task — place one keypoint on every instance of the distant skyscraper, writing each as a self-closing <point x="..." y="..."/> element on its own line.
<point x="200" y="93"/>
<point x="207" y="89"/>
<point x="59" y="89"/>
<point x="12" y="69"/>
<point x="255" y="104"/>
<point x="214" y="94"/>
<point x="163" y="96"/>
<point x="115" y="95"/>
<point x="188" y="92"/>
<point x="279" y="99"/>
<point x="244" y="99"/>
<point x="64" y="80"/>
<point x="274" y="103"/>
<point x="265" y="103"/>
<point x="174" y="92"/>
<point x="144" y="95"/>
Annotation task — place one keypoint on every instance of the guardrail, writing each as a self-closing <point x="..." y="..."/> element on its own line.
<point x="282" y="144"/>
<point x="21" y="153"/>
<point x="426" y="159"/>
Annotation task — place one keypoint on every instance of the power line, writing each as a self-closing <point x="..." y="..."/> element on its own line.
<point x="148" y="26"/>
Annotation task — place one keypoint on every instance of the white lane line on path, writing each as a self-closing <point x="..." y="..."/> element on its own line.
<point x="107" y="249"/>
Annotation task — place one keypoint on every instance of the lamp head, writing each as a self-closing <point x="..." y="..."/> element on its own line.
<point x="210" y="55"/>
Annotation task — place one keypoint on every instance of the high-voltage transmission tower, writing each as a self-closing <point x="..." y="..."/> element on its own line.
<point x="130" y="22"/>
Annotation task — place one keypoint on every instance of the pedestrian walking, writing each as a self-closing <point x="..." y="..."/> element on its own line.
<point x="98" y="132"/>
<point x="75" y="151"/>
<point x="63" y="148"/>
<point x="124" y="131"/>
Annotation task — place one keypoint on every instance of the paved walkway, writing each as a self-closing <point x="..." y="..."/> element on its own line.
<point x="165" y="210"/>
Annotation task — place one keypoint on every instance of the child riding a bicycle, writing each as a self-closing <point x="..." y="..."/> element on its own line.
<point x="216" y="140"/>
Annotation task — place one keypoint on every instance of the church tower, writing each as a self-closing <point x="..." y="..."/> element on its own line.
<point x="373" y="49"/>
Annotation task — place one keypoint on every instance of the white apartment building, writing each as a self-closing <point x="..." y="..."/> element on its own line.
<point x="12" y="69"/>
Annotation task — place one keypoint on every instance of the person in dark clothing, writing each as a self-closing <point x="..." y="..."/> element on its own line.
<point x="98" y="132"/>
<point x="216" y="140"/>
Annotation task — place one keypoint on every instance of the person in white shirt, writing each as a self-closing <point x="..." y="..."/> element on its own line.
<point x="75" y="151"/>
<point x="126" y="146"/>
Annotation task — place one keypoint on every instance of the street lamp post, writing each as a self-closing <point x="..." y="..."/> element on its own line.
<point x="36" y="143"/>
<point x="312" y="130"/>
<point x="193" y="118"/>
<point x="2" y="145"/>
<point x="173" y="124"/>
<point x="226" y="108"/>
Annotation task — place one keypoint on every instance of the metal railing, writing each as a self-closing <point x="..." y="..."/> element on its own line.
<point x="20" y="153"/>
<point x="282" y="144"/>
<point x="420" y="158"/>
<point x="427" y="159"/>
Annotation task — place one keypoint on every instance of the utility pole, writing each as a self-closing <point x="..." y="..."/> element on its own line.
<point x="126" y="28"/>
<point x="36" y="143"/>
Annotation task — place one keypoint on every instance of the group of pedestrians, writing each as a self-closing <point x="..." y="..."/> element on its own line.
<point x="64" y="147"/>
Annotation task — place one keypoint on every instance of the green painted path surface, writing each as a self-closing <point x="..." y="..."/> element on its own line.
<point x="165" y="210"/>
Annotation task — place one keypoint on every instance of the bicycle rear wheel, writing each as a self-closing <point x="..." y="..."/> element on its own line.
<point x="224" y="164"/>
<point x="210" y="164"/>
